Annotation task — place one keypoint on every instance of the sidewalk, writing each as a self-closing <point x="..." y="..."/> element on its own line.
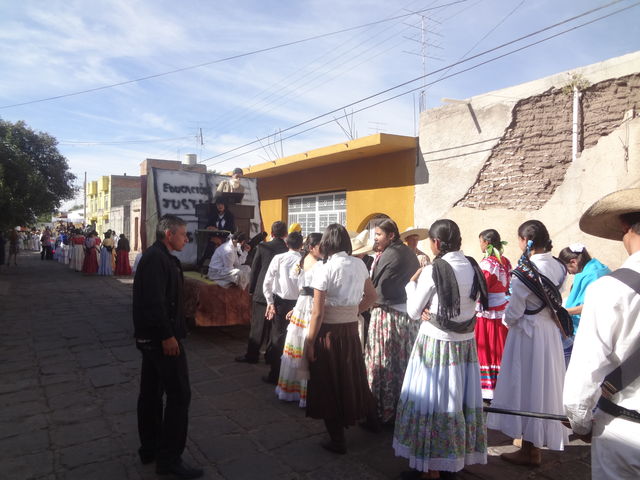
<point x="69" y="373"/>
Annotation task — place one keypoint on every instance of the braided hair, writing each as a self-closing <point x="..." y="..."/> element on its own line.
<point x="448" y="233"/>
<point x="312" y="240"/>
<point x="535" y="231"/>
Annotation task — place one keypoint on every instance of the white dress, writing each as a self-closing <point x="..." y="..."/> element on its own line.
<point x="439" y="423"/>
<point x="294" y="368"/>
<point x="532" y="371"/>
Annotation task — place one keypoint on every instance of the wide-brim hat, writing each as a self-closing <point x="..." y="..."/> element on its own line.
<point x="422" y="233"/>
<point x="602" y="219"/>
<point x="360" y="244"/>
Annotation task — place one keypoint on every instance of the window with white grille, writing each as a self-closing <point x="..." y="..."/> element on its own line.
<point x="315" y="212"/>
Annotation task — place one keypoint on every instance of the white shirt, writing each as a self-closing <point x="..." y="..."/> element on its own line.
<point x="224" y="259"/>
<point x="279" y="279"/>
<point x="609" y="333"/>
<point x="342" y="277"/>
<point x="419" y="293"/>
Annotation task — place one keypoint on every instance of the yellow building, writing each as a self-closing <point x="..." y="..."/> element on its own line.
<point x="350" y="183"/>
<point x="105" y="193"/>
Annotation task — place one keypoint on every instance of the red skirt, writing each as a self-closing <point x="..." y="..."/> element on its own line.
<point x="491" y="335"/>
<point x="122" y="263"/>
<point x="90" y="264"/>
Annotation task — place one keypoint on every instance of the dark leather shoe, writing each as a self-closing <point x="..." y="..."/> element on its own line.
<point x="180" y="469"/>
<point x="244" y="359"/>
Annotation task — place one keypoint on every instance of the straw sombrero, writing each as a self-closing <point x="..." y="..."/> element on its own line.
<point x="421" y="232"/>
<point x="360" y="243"/>
<point x="602" y="219"/>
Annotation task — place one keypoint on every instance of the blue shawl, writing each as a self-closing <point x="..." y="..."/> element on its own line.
<point x="592" y="271"/>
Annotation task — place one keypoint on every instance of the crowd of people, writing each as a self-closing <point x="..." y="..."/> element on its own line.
<point x="85" y="253"/>
<point x="378" y="333"/>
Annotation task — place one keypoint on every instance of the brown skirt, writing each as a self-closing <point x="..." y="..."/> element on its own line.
<point x="338" y="388"/>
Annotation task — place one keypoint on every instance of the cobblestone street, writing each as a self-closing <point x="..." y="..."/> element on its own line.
<point x="69" y="386"/>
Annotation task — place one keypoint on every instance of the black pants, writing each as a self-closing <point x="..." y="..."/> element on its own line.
<point x="259" y="331"/>
<point x="46" y="251"/>
<point x="279" y="325"/>
<point x="163" y="434"/>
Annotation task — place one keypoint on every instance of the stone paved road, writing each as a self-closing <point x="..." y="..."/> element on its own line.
<point x="69" y="379"/>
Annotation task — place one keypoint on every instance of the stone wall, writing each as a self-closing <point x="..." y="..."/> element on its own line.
<point x="530" y="161"/>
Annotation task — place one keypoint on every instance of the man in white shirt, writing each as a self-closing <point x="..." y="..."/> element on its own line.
<point x="280" y="289"/>
<point x="226" y="267"/>
<point x="609" y="335"/>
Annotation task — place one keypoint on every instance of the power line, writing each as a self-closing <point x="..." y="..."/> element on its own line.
<point x="435" y="81"/>
<point x="225" y="59"/>
<point x="118" y="142"/>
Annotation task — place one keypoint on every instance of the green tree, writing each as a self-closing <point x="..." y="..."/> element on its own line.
<point x="34" y="176"/>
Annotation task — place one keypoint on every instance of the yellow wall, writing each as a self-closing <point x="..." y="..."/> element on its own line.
<point x="382" y="184"/>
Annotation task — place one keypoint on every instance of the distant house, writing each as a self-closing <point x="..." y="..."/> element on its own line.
<point x="108" y="192"/>
<point x="352" y="183"/>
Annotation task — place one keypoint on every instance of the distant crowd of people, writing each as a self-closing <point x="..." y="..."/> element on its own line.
<point x="85" y="253"/>
<point x="377" y="332"/>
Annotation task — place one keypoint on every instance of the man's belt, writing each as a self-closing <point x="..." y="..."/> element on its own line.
<point x="611" y="408"/>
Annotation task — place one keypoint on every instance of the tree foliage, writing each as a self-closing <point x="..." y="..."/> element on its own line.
<point x="34" y="176"/>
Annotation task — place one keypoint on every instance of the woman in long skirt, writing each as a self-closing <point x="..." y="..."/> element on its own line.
<point x="294" y="368"/>
<point x="532" y="373"/>
<point x="491" y="333"/>
<point x="440" y="424"/>
<point x="77" y="258"/>
<point x="90" y="262"/>
<point x="338" y="390"/>
<point x="106" y="256"/>
<point x="123" y="267"/>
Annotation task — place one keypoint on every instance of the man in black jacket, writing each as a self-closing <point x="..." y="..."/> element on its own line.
<point x="159" y="324"/>
<point x="264" y="253"/>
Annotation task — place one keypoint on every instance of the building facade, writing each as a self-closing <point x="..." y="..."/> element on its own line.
<point x="107" y="193"/>
<point x="506" y="156"/>
<point x="352" y="183"/>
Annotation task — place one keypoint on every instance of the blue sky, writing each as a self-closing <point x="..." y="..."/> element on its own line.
<point x="58" y="47"/>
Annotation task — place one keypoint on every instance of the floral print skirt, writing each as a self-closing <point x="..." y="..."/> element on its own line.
<point x="389" y="342"/>
<point x="294" y="368"/>
<point x="440" y="424"/>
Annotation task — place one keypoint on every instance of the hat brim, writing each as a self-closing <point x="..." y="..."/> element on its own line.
<point x="366" y="249"/>
<point x="422" y="233"/>
<point x="602" y="219"/>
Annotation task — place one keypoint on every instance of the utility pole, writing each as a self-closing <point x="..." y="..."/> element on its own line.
<point x="424" y="53"/>
<point x="84" y="215"/>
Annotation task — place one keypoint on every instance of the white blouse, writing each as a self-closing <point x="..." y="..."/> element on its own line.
<point x="524" y="299"/>
<point x="342" y="277"/>
<point x="419" y="293"/>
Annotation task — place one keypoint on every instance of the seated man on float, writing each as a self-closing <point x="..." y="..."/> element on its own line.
<point x="226" y="267"/>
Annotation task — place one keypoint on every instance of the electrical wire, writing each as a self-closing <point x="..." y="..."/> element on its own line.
<point x="225" y="59"/>
<point x="276" y="95"/>
<point x="435" y="81"/>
